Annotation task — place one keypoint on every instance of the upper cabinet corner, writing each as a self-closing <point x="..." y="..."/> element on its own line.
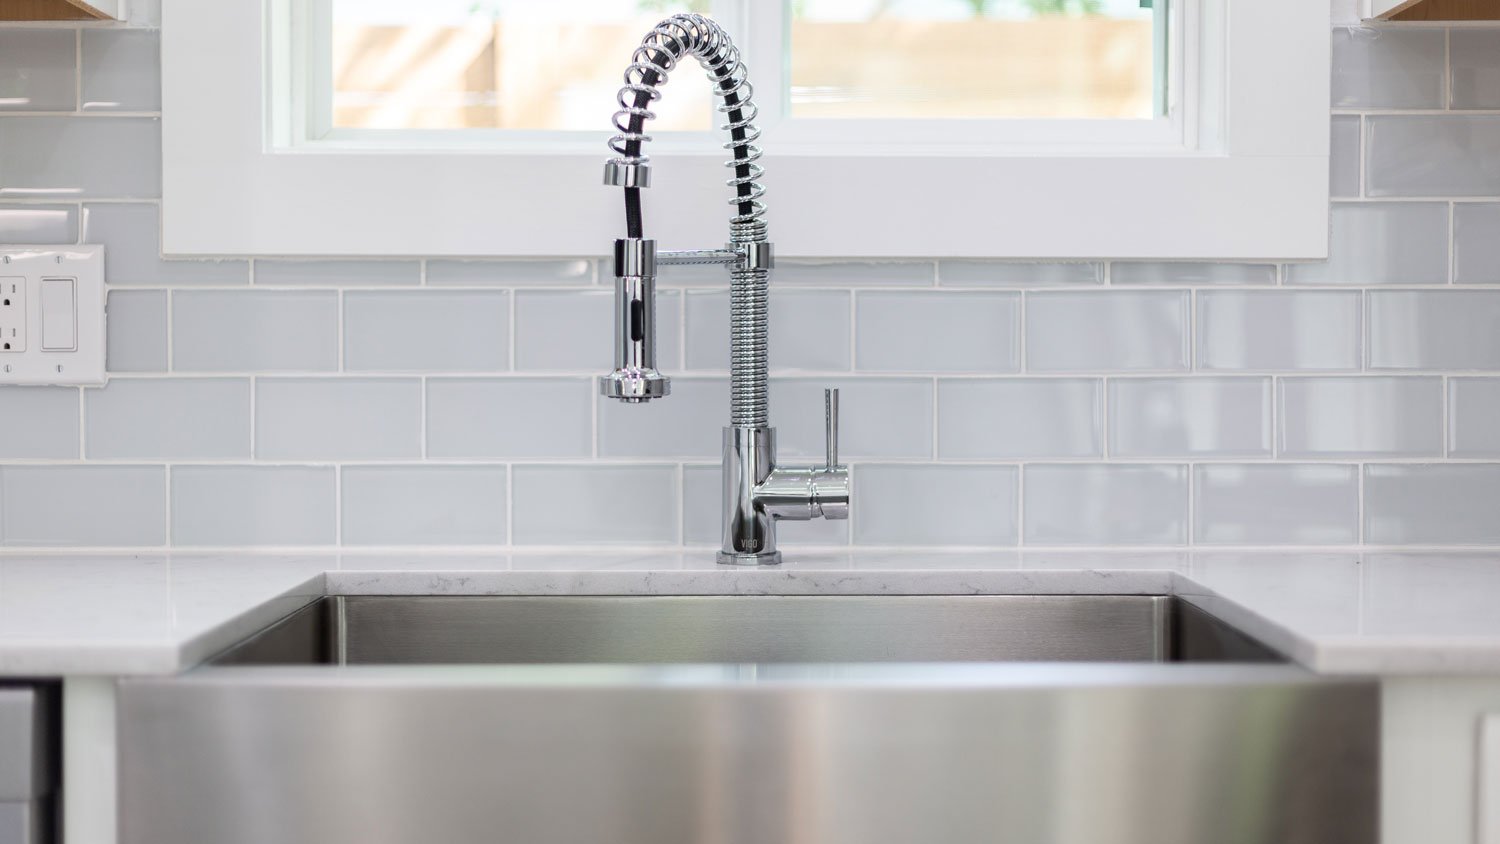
<point x="61" y="10"/>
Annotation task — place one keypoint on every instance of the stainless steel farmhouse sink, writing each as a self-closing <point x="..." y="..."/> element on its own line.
<point x="749" y="720"/>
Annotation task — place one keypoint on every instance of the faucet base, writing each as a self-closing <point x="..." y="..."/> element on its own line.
<point x="772" y="558"/>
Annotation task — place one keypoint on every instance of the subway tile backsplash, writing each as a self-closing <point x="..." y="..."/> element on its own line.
<point x="304" y="401"/>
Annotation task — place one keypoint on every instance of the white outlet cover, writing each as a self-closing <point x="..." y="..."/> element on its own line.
<point x="84" y="265"/>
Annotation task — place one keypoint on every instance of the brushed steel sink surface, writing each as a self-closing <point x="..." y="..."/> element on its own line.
<point x="762" y="629"/>
<point x="748" y="719"/>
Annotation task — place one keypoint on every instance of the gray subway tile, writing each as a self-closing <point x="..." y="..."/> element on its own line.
<point x="627" y="505"/>
<point x="1346" y="153"/>
<point x="842" y="273"/>
<point x="1020" y="418"/>
<point x="959" y="273"/>
<point x="1475" y="58"/>
<point x="522" y="417"/>
<point x="1266" y="504"/>
<point x="688" y="423"/>
<point x="1190" y="272"/>
<point x="79" y="157"/>
<point x="38" y="422"/>
<point x="232" y="506"/>
<point x="938" y="331"/>
<point x="1388" y="67"/>
<point x="38" y="223"/>
<point x="702" y="511"/>
<point x="1476" y="243"/>
<point x="1431" y="329"/>
<point x="1278" y="330"/>
<point x="121" y="70"/>
<point x="336" y="273"/>
<point x="424" y="505"/>
<point x="573" y="330"/>
<point x="100" y="506"/>
<point x="1081" y="504"/>
<point x="38" y="70"/>
<point x="881" y="418"/>
<point x="1433" y="156"/>
<point x="935" y="505"/>
<point x="1474" y="417"/>
<point x="1432" y="504"/>
<point x="1115" y="331"/>
<point x="427" y="330"/>
<point x="1190" y="417"/>
<point x="1382" y="243"/>
<point x="169" y="419"/>
<point x="255" y="330"/>
<point x="131" y="235"/>
<point x="137" y="334"/>
<point x="506" y="273"/>
<point x="809" y="329"/>
<point x="338" y="419"/>
<point x="1355" y="417"/>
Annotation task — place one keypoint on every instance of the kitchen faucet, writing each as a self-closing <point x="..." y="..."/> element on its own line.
<point x="757" y="492"/>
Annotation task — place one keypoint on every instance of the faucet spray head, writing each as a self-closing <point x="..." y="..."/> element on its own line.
<point x="635" y="378"/>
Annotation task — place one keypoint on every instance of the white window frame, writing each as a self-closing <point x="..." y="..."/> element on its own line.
<point x="1239" y="171"/>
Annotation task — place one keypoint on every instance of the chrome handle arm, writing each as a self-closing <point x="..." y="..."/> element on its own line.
<point x="831" y="428"/>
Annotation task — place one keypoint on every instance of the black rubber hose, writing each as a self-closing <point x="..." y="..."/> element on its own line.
<point x="634" y="223"/>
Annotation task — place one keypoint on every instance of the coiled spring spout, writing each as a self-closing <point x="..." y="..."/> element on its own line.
<point x="635" y="377"/>
<point x="757" y="492"/>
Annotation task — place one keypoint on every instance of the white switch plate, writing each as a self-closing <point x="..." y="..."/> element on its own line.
<point x="26" y="362"/>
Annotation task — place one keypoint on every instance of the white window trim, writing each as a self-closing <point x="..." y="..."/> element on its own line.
<point x="1244" y="178"/>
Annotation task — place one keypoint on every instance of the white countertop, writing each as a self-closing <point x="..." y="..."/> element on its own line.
<point x="1428" y="613"/>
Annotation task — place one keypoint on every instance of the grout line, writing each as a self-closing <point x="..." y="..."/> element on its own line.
<point x="703" y="460"/>
<point x="1192" y="504"/>
<point x="1360" y="493"/>
<point x="510" y="505"/>
<point x="422" y="417"/>
<point x="835" y="550"/>
<point x="82" y="422"/>
<point x="1020" y="506"/>
<point x="167" y="472"/>
<point x="339" y="337"/>
<point x="510" y="327"/>
<point x="853" y="331"/>
<point x="1447" y="422"/>
<point x="77" y="70"/>
<point x="1452" y="246"/>
<point x="681" y="504"/>
<point x="1276" y="432"/>
<point x="1447" y="68"/>
<point x="1363" y="164"/>
<point x="935" y="442"/>
<point x="171" y="354"/>
<point x="338" y="505"/>
<point x="253" y="401"/>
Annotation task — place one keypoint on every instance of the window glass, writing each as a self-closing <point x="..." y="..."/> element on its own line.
<point x="495" y="64"/>
<point x="976" y="59"/>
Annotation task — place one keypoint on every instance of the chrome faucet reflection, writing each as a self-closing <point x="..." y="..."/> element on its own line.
<point x="757" y="492"/>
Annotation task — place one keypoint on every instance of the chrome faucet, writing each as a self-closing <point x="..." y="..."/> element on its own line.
<point x="757" y="492"/>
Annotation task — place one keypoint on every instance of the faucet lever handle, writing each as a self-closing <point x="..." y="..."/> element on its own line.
<point x="831" y="426"/>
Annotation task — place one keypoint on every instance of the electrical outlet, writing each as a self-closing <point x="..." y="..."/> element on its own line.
<point x="52" y="315"/>
<point x="12" y="314"/>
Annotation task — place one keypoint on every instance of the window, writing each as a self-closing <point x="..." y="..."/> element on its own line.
<point x="1005" y="128"/>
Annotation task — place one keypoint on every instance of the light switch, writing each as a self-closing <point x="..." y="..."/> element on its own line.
<point x="52" y="316"/>
<point x="59" y="315"/>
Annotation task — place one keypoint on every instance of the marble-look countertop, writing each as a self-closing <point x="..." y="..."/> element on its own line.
<point x="1379" y="614"/>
